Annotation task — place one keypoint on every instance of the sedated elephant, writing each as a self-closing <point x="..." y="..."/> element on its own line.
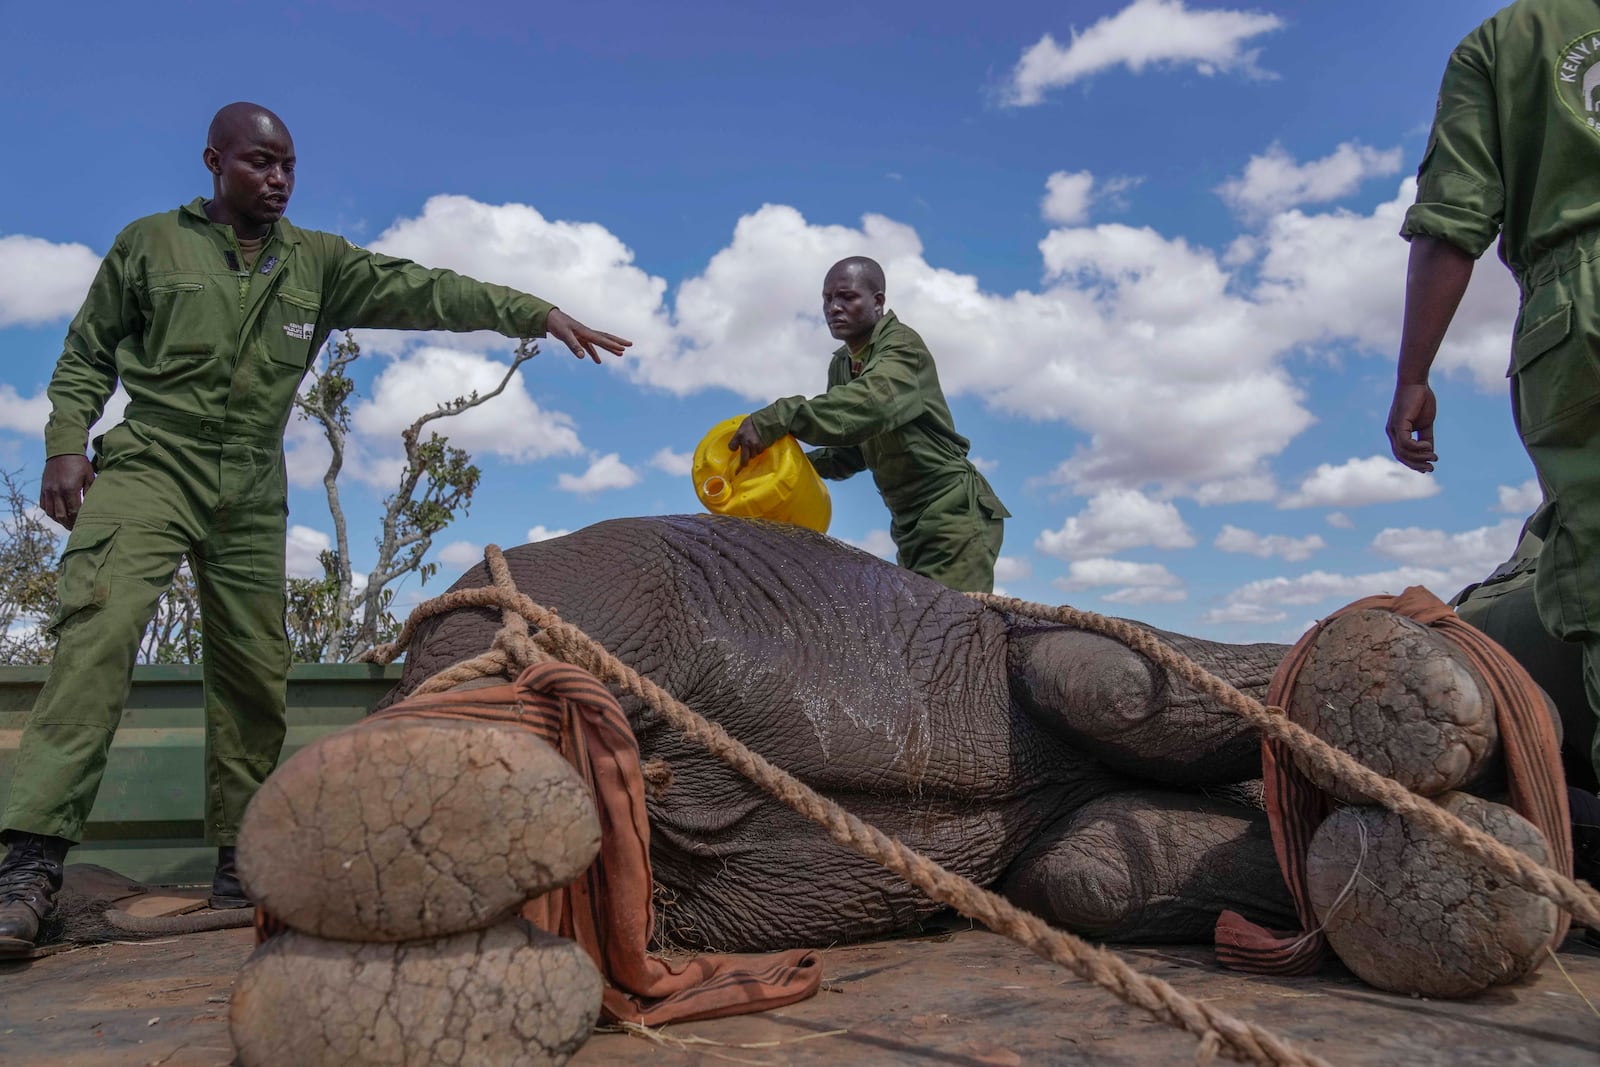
<point x="1054" y="765"/>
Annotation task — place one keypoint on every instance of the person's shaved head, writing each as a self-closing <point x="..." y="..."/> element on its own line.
<point x="871" y="274"/>
<point x="251" y="159"/>
<point x="852" y="299"/>
<point x="238" y="121"/>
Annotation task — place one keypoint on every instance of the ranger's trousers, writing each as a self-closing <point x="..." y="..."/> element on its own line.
<point x="1555" y="396"/>
<point x="163" y="492"/>
<point x="954" y="539"/>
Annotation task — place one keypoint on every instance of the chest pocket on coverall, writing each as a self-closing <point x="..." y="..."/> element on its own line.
<point x="174" y="304"/>
<point x="294" y="327"/>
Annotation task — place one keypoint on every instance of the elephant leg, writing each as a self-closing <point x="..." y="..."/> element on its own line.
<point x="1152" y="866"/>
<point x="1104" y="698"/>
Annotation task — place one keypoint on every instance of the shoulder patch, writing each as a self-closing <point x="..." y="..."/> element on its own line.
<point x="1577" y="71"/>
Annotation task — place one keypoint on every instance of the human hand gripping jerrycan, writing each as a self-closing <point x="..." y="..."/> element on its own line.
<point x="779" y="484"/>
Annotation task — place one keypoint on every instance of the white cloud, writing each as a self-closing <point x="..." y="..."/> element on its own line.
<point x="878" y="542"/>
<point x="1163" y="33"/>
<point x="303" y="550"/>
<point x="1520" y="499"/>
<point x="1243" y="614"/>
<point x="1339" y="520"/>
<point x="1128" y="323"/>
<point x="461" y="554"/>
<point x="1274" y="181"/>
<point x="41" y="281"/>
<point x="604" y="472"/>
<point x="1069" y="195"/>
<point x="512" y="425"/>
<point x="1237" y="490"/>
<point x="544" y="533"/>
<point x="677" y="464"/>
<point x="23" y="414"/>
<point x="1140" y="583"/>
<point x="1270" y="594"/>
<point x="1293" y="549"/>
<point x="984" y="464"/>
<point x="1358" y="482"/>
<point x="27" y="414"/>
<point x="1146" y="594"/>
<point x="1339" y="276"/>
<point x="116" y="407"/>
<point x="1127" y="328"/>
<point x="1066" y="198"/>
<point x="1442" y="562"/>
<point x="1012" y="569"/>
<point x="751" y="322"/>
<point x="1115" y="520"/>
<point x="580" y="266"/>
<point x="1470" y="555"/>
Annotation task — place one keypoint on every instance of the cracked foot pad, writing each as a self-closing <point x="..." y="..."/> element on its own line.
<point x="1399" y="698"/>
<point x="510" y="995"/>
<point x="1411" y="913"/>
<point x="400" y="829"/>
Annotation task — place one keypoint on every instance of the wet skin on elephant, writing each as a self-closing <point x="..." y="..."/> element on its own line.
<point x="1054" y="765"/>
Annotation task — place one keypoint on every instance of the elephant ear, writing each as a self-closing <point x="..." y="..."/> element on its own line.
<point x="1101" y="696"/>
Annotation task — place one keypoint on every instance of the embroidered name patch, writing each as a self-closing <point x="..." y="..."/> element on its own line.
<point x="300" y="331"/>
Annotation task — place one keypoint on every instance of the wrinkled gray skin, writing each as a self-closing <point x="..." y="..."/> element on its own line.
<point x="1052" y="764"/>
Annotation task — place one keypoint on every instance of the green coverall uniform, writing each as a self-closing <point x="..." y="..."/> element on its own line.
<point x="891" y="417"/>
<point x="211" y="351"/>
<point x="1515" y="149"/>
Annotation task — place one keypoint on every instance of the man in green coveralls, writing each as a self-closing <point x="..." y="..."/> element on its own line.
<point x="209" y="316"/>
<point x="884" y="411"/>
<point x="1515" y="151"/>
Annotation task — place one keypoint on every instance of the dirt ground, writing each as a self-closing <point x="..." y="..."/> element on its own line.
<point x="964" y="998"/>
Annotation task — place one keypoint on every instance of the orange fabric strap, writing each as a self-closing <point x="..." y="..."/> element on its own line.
<point x="608" y="909"/>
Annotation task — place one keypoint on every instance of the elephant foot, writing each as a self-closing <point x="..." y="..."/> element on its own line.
<point x="1410" y="913"/>
<point x="1400" y="698"/>
<point x="404" y="828"/>
<point x="1151" y="866"/>
<point x="510" y="994"/>
<point x="1131" y="715"/>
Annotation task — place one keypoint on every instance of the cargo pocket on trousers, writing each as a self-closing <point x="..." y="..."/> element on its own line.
<point x="1551" y="381"/>
<point x="84" y="583"/>
<point x="1563" y="593"/>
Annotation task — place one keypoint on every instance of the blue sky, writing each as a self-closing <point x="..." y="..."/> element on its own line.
<point x="1150" y="242"/>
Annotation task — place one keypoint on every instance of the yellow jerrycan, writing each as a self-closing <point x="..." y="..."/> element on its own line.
<point x="779" y="484"/>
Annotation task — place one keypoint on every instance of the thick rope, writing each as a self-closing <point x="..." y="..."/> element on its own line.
<point x="512" y="649"/>
<point x="1219" y="1032"/>
<point x="197" y="922"/>
<point x="1577" y="898"/>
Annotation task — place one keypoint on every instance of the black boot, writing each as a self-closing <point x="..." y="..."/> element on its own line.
<point x="226" y="889"/>
<point x="30" y="878"/>
<point x="1585" y="808"/>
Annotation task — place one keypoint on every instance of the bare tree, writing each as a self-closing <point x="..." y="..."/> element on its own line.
<point x="174" y="633"/>
<point x="28" y="571"/>
<point x="338" y="617"/>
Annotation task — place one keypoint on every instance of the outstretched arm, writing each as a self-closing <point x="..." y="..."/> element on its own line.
<point x="365" y="288"/>
<point x="1435" y="281"/>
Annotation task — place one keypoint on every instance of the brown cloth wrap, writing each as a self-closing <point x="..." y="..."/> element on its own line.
<point x="608" y="909"/>
<point x="1296" y="807"/>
